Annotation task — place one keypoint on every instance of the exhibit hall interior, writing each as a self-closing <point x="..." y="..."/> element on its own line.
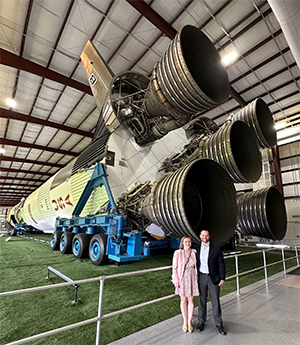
<point x="128" y="124"/>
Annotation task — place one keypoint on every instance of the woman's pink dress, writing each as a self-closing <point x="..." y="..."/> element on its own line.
<point x="189" y="281"/>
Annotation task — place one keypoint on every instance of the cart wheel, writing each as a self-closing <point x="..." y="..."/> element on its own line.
<point x="55" y="239"/>
<point x="65" y="245"/>
<point x="80" y="245"/>
<point x="97" y="248"/>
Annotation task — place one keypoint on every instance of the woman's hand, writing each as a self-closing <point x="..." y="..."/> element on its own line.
<point x="177" y="285"/>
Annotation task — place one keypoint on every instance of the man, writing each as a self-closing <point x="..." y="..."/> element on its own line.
<point x="211" y="268"/>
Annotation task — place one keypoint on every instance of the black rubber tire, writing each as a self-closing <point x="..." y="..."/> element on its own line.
<point x="13" y="232"/>
<point x="8" y="228"/>
<point x="65" y="245"/>
<point x="97" y="249"/>
<point x="55" y="240"/>
<point x="80" y="245"/>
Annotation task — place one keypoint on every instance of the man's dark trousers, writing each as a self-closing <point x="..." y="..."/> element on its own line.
<point x="214" y="292"/>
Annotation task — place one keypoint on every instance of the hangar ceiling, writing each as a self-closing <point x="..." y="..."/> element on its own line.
<point x="55" y="114"/>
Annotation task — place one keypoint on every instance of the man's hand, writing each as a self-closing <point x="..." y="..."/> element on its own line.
<point x="221" y="282"/>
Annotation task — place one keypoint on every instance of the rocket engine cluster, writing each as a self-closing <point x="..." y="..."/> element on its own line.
<point x="167" y="164"/>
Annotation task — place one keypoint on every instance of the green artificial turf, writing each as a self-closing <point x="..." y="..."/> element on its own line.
<point x="24" y="262"/>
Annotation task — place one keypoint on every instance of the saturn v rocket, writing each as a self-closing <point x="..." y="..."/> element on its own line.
<point x="167" y="166"/>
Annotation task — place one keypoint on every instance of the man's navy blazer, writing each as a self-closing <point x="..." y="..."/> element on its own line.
<point x="216" y="263"/>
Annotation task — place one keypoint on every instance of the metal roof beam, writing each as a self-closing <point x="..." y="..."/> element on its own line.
<point x="265" y="62"/>
<point x="8" y="193"/>
<point x="245" y="29"/>
<point x="21" y="179"/>
<point x="37" y="147"/>
<point x="25" y="189"/>
<point x="30" y="161"/>
<point x="237" y="97"/>
<point x="9" y="59"/>
<point x="169" y="31"/>
<point x="9" y="114"/>
<point x="26" y="172"/>
<point x="9" y="203"/>
<point x="148" y="12"/>
<point x="260" y="82"/>
<point x="24" y="35"/>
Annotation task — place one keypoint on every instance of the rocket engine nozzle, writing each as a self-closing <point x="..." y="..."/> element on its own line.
<point x="258" y="116"/>
<point x="235" y="147"/>
<point x="198" y="196"/>
<point x="188" y="78"/>
<point x="262" y="213"/>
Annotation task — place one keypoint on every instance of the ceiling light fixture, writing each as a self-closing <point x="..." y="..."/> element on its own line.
<point x="229" y="58"/>
<point x="288" y="135"/>
<point x="11" y="102"/>
<point x="280" y="125"/>
<point x="288" y="140"/>
<point x="2" y="151"/>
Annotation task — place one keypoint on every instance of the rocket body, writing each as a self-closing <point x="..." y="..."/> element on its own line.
<point x="130" y="165"/>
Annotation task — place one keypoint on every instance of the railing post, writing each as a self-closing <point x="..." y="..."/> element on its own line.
<point x="99" y="310"/>
<point x="297" y="257"/>
<point x="265" y="266"/>
<point x="237" y="274"/>
<point x="283" y="261"/>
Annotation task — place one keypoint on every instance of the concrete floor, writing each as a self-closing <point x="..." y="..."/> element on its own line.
<point x="261" y="315"/>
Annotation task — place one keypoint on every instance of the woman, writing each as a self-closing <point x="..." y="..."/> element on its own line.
<point x="184" y="277"/>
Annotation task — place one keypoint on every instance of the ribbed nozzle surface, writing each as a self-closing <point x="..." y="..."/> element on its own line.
<point x="188" y="78"/>
<point x="262" y="213"/>
<point x="235" y="147"/>
<point x="257" y="115"/>
<point x="198" y="196"/>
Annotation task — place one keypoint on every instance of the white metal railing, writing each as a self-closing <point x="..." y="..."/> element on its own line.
<point x="265" y="265"/>
<point x="101" y="279"/>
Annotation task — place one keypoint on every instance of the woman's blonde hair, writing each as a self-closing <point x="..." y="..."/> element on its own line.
<point x="181" y="246"/>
